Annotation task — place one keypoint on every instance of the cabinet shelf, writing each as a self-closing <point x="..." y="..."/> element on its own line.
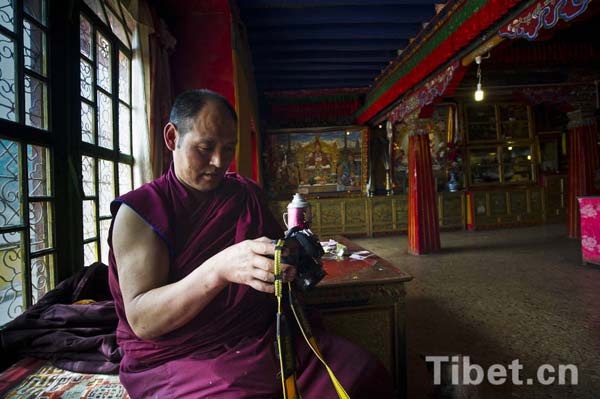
<point x="499" y="143"/>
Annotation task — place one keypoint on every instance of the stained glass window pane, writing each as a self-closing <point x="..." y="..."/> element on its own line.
<point x="89" y="219"/>
<point x="86" y="80"/>
<point x="117" y="27"/>
<point x="88" y="176"/>
<point x="10" y="184"/>
<point x="36" y="114"/>
<point x="41" y="276"/>
<point x="11" y="276"/>
<point x="104" y="227"/>
<point x="88" y="127"/>
<point x="124" y="82"/>
<point x="34" y="47"/>
<point x="90" y="253"/>
<point x="38" y="171"/>
<point x="105" y="121"/>
<point x="36" y="9"/>
<point x="106" y="185"/>
<point x="85" y="37"/>
<point x="7" y="14"/>
<point x="125" y="184"/>
<point x="96" y="8"/>
<point x="40" y="225"/>
<point x="103" y="57"/>
<point x="8" y="96"/>
<point x="124" y="129"/>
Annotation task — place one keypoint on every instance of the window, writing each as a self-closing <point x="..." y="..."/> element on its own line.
<point x="27" y="202"/>
<point x="60" y="164"/>
<point x="105" y="95"/>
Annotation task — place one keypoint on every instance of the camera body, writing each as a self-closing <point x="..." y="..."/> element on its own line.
<point x="304" y="252"/>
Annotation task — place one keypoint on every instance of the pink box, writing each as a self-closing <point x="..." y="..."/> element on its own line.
<point x="589" y="212"/>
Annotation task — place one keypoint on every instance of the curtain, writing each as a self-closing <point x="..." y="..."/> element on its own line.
<point x="140" y="74"/>
<point x="162" y="44"/>
<point x="583" y="165"/>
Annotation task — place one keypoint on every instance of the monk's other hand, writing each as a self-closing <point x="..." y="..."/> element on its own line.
<point x="248" y="263"/>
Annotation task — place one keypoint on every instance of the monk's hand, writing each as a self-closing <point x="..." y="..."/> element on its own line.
<point x="248" y="263"/>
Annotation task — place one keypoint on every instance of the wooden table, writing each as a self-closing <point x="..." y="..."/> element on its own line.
<point x="363" y="301"/>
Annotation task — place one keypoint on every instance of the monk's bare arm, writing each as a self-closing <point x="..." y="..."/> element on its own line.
<point x="152" y="306"/>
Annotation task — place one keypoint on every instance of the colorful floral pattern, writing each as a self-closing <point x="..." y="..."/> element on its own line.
<point x="590" y="229"/>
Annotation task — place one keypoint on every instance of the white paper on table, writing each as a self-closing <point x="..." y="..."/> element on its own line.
<point x="359" y="257"/>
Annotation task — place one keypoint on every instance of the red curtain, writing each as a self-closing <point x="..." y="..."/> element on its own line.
<point x="423" y="224"/>
<point x="583" y="165"/>
<point x="161" y="94"/>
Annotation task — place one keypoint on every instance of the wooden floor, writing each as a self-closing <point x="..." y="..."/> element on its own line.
<point x="501" y="295"/>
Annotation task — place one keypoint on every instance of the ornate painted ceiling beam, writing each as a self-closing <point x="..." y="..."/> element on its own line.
<point x="460" y="27"/>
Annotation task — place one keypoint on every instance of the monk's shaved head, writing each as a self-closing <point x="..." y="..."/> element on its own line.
<point x="188" y="105"/>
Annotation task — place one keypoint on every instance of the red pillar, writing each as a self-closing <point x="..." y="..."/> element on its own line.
<point x="583" y="165"/>
<point x="423" y="225"/>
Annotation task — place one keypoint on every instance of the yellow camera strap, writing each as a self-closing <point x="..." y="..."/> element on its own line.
<point x="288" y="380"/>
<point x="285" y="350"/>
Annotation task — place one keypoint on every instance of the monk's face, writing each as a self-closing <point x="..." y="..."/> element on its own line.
<point x="203" y="154"/>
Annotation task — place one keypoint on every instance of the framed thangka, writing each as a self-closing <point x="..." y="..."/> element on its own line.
<point x="316" y="161"/>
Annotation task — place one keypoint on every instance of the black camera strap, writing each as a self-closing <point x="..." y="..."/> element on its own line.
<point x="284" y="342"/>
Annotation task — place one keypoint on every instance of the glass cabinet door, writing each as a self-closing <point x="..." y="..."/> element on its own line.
<point x="517" y="163"/>
<point x="514" y="121"/>
<point x="481" y="122"/>
<point x="484" y="165"/>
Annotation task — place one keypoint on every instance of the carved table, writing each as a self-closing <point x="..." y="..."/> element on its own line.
<point x="363" y="301"/>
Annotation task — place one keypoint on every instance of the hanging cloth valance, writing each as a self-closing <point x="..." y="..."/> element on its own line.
<point x="427" y="93"/>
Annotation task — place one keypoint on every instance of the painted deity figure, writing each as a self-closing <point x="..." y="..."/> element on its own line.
<point x="348" y="173"/>
<point x="317" y="159"/>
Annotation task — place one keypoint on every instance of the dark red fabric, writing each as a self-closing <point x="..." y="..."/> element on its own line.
<point x="73" y="337"/>
<point x="423" y="225"/>
<point x="584" y="162"/>
<point x="194" y="232"/>
<point x="227" y="351"/>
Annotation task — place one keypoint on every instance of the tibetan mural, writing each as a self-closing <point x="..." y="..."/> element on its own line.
<point x="321" y="161"/>
<point x="445" y="156"/>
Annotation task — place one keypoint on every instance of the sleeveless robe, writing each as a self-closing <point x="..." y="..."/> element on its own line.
<point x="227" y="350"/>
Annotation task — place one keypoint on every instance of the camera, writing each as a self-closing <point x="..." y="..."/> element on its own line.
<point x="304" y="252"/>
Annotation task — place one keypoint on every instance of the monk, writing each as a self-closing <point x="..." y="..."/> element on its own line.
<point x="193" y="283"/>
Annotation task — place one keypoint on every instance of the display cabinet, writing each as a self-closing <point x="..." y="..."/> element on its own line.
<point x="503" y="207"/>
<point x="513" y="121"/>
<point x="480" y="123"/>
<point x="484" y="165"/>
<point x="499" y="143"/>
<point x="517" y="165"/>
<point x="555" y="198"/>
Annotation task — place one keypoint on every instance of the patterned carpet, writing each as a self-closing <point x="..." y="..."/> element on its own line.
<point x="37" y="379"/>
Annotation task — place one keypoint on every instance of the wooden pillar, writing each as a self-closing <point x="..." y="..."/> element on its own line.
<point x="423" y="225"/>
<point x="583" y="165"/>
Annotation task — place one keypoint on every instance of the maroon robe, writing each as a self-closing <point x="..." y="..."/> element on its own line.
<point x="227" y="350"/>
